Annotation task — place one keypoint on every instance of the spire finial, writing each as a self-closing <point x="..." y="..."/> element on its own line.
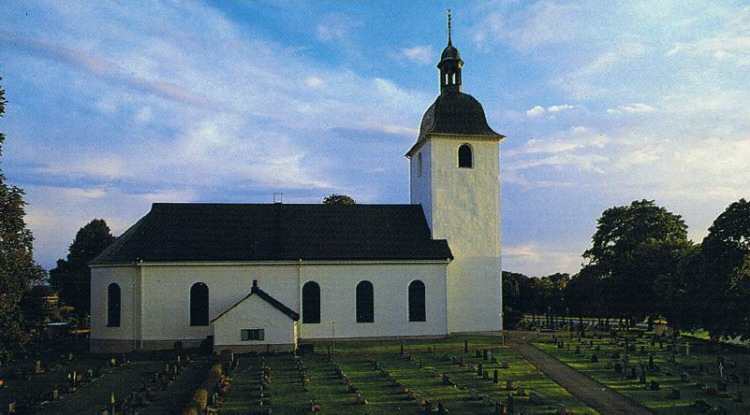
<point x="448" y="12"/>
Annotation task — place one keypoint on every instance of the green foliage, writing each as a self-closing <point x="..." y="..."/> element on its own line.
<point x="726" y="269"/>
<point x="632" y="248"/>
<point x="72" y="276"/>
<point x="336" y="199"/>
<point x="18" y="272"/>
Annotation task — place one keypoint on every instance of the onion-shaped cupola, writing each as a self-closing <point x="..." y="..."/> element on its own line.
<point x="450" y="65"/>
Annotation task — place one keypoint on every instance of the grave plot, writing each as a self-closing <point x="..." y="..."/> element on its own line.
<point x="489" y="374"/>
<point x="668" y="378"/>
<point x="423" y="363"/>
<point x="330" y="387"/>
<point x="263" y="382"/>
<point x="374" y="384"/>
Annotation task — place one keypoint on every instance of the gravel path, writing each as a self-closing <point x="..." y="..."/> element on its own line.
<point x="594" y="394"/>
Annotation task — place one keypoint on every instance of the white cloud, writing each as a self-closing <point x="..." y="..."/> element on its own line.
<point x="535" y="259"/>
<point x="631" y="108"/>
<point x="419" y="54"/>
<point x="536" y="111"/>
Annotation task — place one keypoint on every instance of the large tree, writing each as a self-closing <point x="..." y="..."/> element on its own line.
<point x="336" y="199"/>
<point x="72" y="276"/>
<point x="632" y="248"/>
<point x="725" y="290"/>
<point x="18" y="272"/>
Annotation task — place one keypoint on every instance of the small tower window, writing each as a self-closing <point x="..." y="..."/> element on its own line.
<point x="454" y="79"/>
<point x="465" y="156"/>
<point x="419" y="164"/>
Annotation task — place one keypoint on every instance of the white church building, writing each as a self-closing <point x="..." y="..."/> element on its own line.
<point x="264" y="277"/>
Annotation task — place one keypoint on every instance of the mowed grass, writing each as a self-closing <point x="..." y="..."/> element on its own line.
<point x="668" y="376"/>
<point x="359" y="362"/>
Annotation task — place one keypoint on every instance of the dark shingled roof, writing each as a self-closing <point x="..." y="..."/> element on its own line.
<point x="267" y="298"/>
<point x="276" y="232"/>
<point x="455" y="113"/>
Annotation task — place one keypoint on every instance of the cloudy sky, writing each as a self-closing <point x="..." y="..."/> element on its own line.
<point x="116" y="105"/>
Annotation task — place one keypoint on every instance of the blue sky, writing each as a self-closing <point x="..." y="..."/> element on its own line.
<point x="116" y="105"/>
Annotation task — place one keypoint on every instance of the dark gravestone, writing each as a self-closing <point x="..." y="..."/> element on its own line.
<point x="477" y="354"/>
<point x="511" y="404"/>
<point x="674" y="394"/>
<point x="466" y="346"/>
<point x="654" y="386"/>
<point x="746" y="379"/>
<point x="494" y="376"/>
<point x="594" y="358"/>
<point x="618" y="368"/>
<point x="650" y="361"/>
<point x="479" y="369"/>
<point x="486" y="354"/>
<point x="721" y="386"/>
<point x="633" y="373"/>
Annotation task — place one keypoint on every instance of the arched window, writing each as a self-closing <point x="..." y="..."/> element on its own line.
<point x="419" y="164"/>
<point x="365" y="303"/>
<point x="113" y="305"/>
<point x="199" y="304"/>
<point x="311" y="302"/>
<point x="465" y="157"/>
<point x="417" y="301"/>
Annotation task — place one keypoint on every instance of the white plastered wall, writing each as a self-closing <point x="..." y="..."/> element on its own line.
<point x="127" y="278"/>
<point x="253" y="313"/>
<point x="464" y="208"/>
<point x="391" y="292"/>
<point x="166" y="303"/>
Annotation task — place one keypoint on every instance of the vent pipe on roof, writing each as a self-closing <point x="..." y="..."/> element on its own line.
<point x="255" y="283"/>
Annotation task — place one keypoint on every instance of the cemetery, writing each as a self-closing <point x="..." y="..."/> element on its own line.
<point x="668" y="375"/>
<point x="459" y="375"/>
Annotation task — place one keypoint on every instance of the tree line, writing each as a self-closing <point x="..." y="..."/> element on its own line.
<point x="641" y="265"/>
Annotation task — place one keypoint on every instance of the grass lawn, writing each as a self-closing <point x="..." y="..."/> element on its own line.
<point x="699" y="385"/>
<point x="365" y="366"/>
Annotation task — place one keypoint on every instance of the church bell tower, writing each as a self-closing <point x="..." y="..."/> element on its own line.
<point x="455" y="176"/>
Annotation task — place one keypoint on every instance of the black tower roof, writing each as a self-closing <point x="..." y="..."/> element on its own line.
<point x="453" y="112"/>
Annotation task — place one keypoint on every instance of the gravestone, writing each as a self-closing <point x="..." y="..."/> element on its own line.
<point x="466" y="346"/>
<point x="509" y="385"/>
<point x="499" y="409"/>
<point x="494" y="376"/>
<point x="721" y="386"/>
<point x="511" y="404"/>
<point x="478" y="354"/>
<point x="521" y="391"/>
<point x="674" y="394"/>
<point x="650" y="361"/>
<point x="486" y="375"/>
<point x="633" y="373"/>
<point x="479" y="370"/>
<point x="38" y="367"/>
<point x="654" y="386"/>
<point x="561" y="409"/>
<point x="504" y="365"/>
<point x="534" y="398"/>
<point x="486" y="354"/>
<point x="685" y="377"/>
<point x="594" y="358"/>
<point x="618" y="367"/>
